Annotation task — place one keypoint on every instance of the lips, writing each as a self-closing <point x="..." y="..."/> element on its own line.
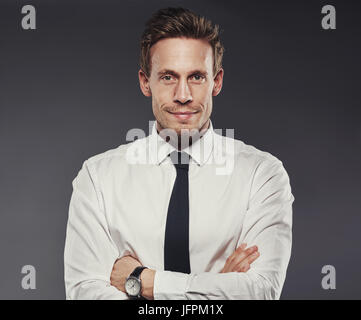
<point x="184" y="114"/>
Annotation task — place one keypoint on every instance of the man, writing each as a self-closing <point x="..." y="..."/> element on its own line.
<point x="173" y="227"/>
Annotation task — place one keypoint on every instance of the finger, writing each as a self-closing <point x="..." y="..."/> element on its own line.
<point x="246" y="262"/>
<point x="243" y="245"/>
<point x="242" y="267"/>
<point x="234" y="254"/>
<point x="240" y="248"/>
<point x="253" y="257"/>
<point x="238" y="255"/>
<point x="230" y="259"/>
<point x="227" y="264"/>
<point x="242" y="256"/>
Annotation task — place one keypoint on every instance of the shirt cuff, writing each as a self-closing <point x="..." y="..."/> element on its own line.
<point x="169" y="285"/>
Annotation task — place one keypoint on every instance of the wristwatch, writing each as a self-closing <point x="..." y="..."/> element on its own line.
<point x="133" y="285"/>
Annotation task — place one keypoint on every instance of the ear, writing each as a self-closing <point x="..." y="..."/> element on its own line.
<point x="144" y="83"/>
<point x="218" y="82"/>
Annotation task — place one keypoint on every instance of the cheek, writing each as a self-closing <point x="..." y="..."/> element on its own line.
<point x="162" y="96"/>
<point x="203" y="95"/>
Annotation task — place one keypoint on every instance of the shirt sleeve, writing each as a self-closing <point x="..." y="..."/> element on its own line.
<point x="267" y="224"/>
<point x="90" y="252"/>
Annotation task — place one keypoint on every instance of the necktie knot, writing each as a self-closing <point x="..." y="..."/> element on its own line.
<point x="180" y="160"/>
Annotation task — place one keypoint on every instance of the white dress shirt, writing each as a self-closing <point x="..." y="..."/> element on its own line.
<point x="119" y="207"/>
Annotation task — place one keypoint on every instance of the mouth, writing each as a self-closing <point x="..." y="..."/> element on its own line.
<point x="184" y="115"/>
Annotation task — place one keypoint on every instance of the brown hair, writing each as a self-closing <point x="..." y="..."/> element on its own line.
<point x="179" y="22"/>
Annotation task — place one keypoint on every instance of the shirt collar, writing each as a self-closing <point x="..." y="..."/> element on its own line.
<point x="199" y="151"/>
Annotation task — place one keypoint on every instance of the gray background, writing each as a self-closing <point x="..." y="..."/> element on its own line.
<point x="69" y="90"/>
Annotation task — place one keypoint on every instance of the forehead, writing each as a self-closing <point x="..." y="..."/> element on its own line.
<point x="181" y="54"/>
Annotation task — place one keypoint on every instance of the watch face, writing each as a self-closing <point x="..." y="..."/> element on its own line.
<point x="132" y="286"/>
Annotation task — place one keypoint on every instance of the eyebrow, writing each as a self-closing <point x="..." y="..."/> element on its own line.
<point x="176" y="74"/>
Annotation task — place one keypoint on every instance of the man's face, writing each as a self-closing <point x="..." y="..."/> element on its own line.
<point x="181" y="83"/>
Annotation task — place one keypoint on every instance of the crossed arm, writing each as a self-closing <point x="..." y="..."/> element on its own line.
<point x="239" y="261"/>
<point x="91" y="256"/>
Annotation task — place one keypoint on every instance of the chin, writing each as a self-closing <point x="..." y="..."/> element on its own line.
<point x="185" y="125"/>
<point x="179" y="125"/>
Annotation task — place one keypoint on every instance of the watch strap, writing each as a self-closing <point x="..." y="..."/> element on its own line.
<point x="137" y="271"/>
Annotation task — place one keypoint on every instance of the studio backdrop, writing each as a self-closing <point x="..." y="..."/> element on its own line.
<point x="69" y="90"/>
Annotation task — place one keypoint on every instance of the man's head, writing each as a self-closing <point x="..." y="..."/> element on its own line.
<point x="181" y="68"/>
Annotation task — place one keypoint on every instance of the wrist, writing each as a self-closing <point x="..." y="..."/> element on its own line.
<point x="147" y="279"/>
<point x="133" y="284"/>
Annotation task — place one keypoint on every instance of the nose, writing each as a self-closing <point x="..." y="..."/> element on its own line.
<point x="182" y="93"/>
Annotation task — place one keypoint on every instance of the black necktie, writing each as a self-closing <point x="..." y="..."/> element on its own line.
<point x="176" y="242"/>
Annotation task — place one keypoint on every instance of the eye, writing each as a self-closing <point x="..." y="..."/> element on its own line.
<point x="197" y="78"/>
<point x="167" y="77"/>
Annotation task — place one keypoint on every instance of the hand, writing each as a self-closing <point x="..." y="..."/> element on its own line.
<point x="122" y="268"/>
<point x="241" y="259"/>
